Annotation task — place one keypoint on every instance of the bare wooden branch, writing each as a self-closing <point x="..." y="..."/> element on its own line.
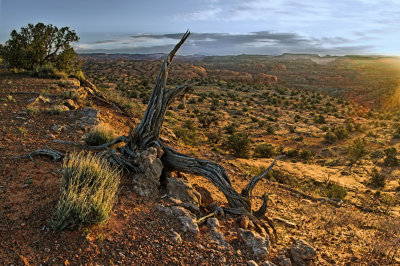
<point x="148" y="130"/>
<point x="210" y="170"/>
<point x="246" y="192"/>
<point x="263" y="209"/>
<point x="56" y="155"/>
<point x="93" y="148"/>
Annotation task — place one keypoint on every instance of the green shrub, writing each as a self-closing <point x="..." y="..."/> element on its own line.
<point x="306" y="154"/>
<point x="99" y="135"/>
<point x="55" y="110"/>
<point x="231" y="128"/>
<point x="378" y="180"/>
<point x="48" y="71"/>
<point x="391" y="159"/>
<point x="320" y="119"/>
<point x="292" y="153"/>
<point x="88" y="192"/>
<point x="396" y="133"/>
<point x="264" y="151"/>
<point x="270" y="129"/>
<point x="334" y="191"/>
<point x="239" y="144"/>
<point x="32" y="110"/>
<point x="341" y="132"/>
<point x="357" y="149"/>
<point x="214" y="136"/>
<point x="330" y="138"/>
<point x="187" y="134"/>
<point x="292" y="128"/>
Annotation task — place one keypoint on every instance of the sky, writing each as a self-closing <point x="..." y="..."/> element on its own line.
<point x="218" y="27"/>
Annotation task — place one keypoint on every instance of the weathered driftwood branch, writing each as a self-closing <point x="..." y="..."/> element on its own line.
<point x="146" y="134"/>
<point x="56" y="155"/>
<point x="148" y="130"/>
<point x="93" y="148"/>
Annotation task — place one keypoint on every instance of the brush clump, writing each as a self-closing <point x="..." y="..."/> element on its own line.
<point x="88" y="191"/>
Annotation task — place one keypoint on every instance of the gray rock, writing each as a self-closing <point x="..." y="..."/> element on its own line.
<point x="190" y="206"/>
<point x="300" y="251"/>
<point x="251" y="263"/>
<point x="57" y="128"/>
<point x="180" y="211"/>
<point x="176" y="237"/>
<point x="89" y="117"/>
<point x="50" y="136"/>
<point x="218" y="237"/>
<point x="285" y="262"/>
<point x="213" y="222"/>
<point x="181" y="190"/>
<point x="189" y="224"/>
<point x="259" y="245"/>
<point x="166" y="210"/>
<point x="147" y="182"/>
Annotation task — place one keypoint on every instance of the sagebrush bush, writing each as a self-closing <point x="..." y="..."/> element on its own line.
<point x="55" y="110"/>
<point x="239" y="144"/>
<point x="99" y="135"/>
<point x="214" y="136"/>
<point x="341" y="132"/>
<point x="391" y="159"/>
<point x="378" y="180"/>
<point x="187" y="135"/>
<point x="88" y="191"/>
<point x="330" y="137"/>
<point x="48" y="71"/>
<point x="264" y="151"/>
<point x="334" y="191"/>
<point x="357" y="149"/>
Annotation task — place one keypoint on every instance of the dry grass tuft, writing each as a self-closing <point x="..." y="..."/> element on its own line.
<point x="88" y="191"/>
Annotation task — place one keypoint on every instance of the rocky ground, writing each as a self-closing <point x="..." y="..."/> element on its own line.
<point x="166" y="228"/>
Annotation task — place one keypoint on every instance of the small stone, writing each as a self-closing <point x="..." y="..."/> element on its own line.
<point x="57" y="128"/>
<point x="50" y="136"/>
<point x="259" y="245"/>
<point x="166" y="210"/>
<point x="182" y="190"/>
<point x="213" y="222"/>
<point x="176" y="237"/>
<point x="47" y="250"/>
<point x="285" y="262"/>
<point x="267" y="263"/>
<point x="251" y="263"/>
<point x="189" y="225"/>
<point x="300" y="251"/>
<point x="219" y="238"/>
<point x="180" y="211"/>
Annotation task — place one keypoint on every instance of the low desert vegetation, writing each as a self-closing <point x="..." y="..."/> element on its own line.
<point x="239" y="144"/>
<point x="99" y="135"/>
<point x="89" y="188"/>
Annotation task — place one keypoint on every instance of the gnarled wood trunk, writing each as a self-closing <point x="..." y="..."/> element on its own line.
<point x="146" y="135"/>
<point x="144" y="142"/>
